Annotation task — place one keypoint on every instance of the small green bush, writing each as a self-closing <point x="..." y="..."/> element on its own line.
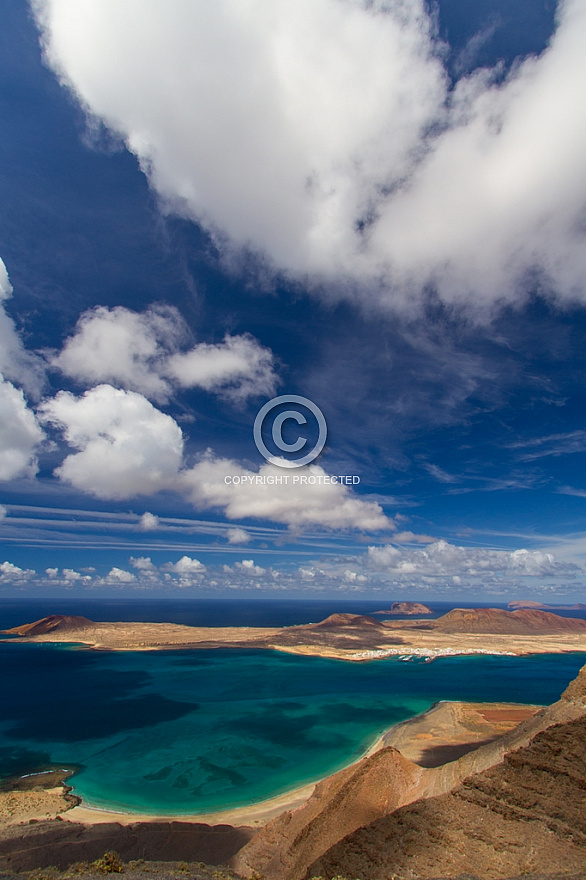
<point x="110" y="863"/>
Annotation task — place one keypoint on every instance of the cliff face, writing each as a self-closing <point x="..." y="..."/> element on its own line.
<point x="575" y="693"/>
<point x="524" y="815"/>
<point x="330" y="834"/>
<point x="339" y="805"/>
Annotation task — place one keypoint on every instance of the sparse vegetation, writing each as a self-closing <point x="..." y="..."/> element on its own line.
<point x="50" y="873"/>
<point x="78" y="868"/>
<point x="110" y="863"/>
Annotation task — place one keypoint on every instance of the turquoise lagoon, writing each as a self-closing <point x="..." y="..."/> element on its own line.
<point x="180" y="732"/>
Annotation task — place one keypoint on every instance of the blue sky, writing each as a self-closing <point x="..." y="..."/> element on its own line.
<point x="377" y="207"/>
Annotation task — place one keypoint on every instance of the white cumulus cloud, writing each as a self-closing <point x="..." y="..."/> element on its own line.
<point x="138" y="351"/>
<point x="248" y="566"/>
<point x="10" y="573"/>
<point x="17" y="364"/>
<point x="237" y="536"/>
<point x="323" y="133"/>
<point x="20" y="434"/>
<point x="442" y="559"/>
<point x="148" y="522"/>
<point x="210" y="485"/>
<point x="185" y="565"/>
<point x="123" y="348"/>
<point x="143" y="563"/>
<point x="120" y="576"/>
<point x="237" y="368"/>
<point x="126" y="446"/>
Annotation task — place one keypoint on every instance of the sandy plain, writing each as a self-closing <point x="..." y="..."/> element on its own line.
<point x="343" y="641"/>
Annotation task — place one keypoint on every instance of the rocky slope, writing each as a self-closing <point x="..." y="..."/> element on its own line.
<point x="526" y="814"/>
<point x="61" y="843"/>
<point x="353" y="797"/>
<point x="382" y="783"/>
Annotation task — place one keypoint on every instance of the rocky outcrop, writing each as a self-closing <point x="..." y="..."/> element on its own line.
<point x="524" y="815"/>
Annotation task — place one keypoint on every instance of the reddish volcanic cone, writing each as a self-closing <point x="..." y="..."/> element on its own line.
<point x="527" y="621"/>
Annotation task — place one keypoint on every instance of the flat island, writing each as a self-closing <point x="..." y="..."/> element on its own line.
<point x="341" y="636"/>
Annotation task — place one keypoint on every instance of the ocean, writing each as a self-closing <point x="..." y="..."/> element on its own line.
<point x="183" y="732"/>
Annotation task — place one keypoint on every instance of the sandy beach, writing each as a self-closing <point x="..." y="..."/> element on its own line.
<point x="256" y="814"/>
<point x="448" y="729"/>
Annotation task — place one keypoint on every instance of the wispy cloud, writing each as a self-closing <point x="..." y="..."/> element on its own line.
<point x="551" y="445"/>
<point x="570" y="490"/>
<point x="439" y="474"/>
<point x="468" y="56"/>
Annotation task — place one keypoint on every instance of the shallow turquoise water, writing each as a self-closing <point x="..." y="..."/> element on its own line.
<point x="193" y="731"/>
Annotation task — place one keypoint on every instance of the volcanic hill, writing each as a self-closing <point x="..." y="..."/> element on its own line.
<point x="51" y="624"/>
<point x="526" y="621"/>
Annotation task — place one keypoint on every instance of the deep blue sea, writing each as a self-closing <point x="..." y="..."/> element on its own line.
<point x="179" y="732"/>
